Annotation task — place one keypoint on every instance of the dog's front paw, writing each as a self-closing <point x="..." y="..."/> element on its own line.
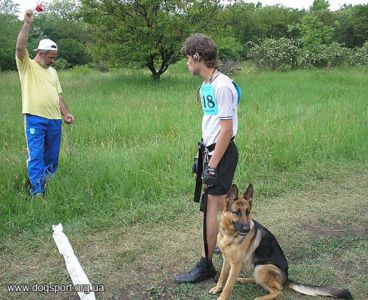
<point x="215" y="290"/>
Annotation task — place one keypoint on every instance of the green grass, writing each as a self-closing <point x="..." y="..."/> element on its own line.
<point x="134" y="139"/>
<point x="127" y="159"/>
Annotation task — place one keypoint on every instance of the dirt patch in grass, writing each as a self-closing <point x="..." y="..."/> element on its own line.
<point x="319" y="231"/>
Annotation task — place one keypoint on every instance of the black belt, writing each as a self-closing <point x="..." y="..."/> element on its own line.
<point x="210" y="148"/>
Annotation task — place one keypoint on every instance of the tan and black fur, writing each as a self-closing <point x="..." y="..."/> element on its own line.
<point x="247" y="245"/>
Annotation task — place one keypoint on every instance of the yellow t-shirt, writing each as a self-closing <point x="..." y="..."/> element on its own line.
<point x="40" y="89"/>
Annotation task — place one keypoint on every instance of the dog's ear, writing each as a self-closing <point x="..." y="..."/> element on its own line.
<point x="232" y="195"/>
<point x="233" y="192"/>
<point x="248" y="195"/>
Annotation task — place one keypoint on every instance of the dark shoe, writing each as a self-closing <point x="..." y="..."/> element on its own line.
<point x="38" y="195"/>
<point x="200" y="272"/>
<point x="217" y="251"/>
<point x="39" y="192"/>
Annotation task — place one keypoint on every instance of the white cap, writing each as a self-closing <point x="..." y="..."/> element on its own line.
<point x="46" y="44"/>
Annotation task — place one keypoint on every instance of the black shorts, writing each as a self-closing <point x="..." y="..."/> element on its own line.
<point x="225" y="171"/>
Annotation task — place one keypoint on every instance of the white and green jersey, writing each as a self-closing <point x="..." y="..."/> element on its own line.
<point x="219" y="100"/>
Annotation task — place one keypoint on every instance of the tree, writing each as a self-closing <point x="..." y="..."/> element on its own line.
<point x="73" y="52"/>
<point x="315" y="35"/>
<point x="61" y="22"/>
<point x="64" y="9"/>
<point x="8" y="7"/>
<point x="360" y="24"/>
<point x="10" y="26"/>
<point x="351" y="27"/>
<point x="313" y="32"/>
<point x="241" y="17"/>
<point x="344" y="32"/>
<point x="146" y="32"/>
<point x="320" y="5"/>
<point x="253" y="23"/>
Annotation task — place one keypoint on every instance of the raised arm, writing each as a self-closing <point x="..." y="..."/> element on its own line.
<point x="23" y="34"/>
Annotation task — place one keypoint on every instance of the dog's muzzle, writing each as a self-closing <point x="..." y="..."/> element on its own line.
<point x="242" y="229"/>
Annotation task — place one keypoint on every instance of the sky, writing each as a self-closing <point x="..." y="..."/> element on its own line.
<point x="299" y="4"/>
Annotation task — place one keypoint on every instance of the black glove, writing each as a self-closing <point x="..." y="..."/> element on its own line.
<point x="195" y="166"/>
<point x="209" y="176"/>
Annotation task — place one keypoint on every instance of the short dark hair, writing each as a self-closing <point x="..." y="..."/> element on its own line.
<point x="204" y="46"/>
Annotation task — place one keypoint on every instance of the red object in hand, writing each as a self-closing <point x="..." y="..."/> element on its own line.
<point x="39" y="7"/>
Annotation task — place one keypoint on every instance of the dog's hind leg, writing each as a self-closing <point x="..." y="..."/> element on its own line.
<point x="272" y="279"/>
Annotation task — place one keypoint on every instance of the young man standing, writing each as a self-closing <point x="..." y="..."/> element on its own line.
<point x="219" y="101"/>
<point x="42" y="107"/>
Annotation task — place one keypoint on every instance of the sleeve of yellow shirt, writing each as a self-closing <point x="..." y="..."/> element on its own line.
<point x="23" y="64"/>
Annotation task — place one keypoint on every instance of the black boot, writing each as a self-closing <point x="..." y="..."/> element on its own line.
<point x="200" y="272"/>
<point x="217" y="250"/>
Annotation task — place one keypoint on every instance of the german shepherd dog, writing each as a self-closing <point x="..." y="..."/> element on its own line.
<point x="246" y="244"/>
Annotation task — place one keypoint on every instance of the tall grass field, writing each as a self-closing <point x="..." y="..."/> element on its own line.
<point x="126" y="164"/>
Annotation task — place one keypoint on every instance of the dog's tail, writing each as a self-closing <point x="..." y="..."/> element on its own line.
<point x="315" y="290"/>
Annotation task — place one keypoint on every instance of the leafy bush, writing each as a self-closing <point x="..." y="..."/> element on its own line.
<point x="323" y="56"/>
<point x="229" y="48"/>
<point x="280" y="54"/>
<point x="335" y="55"/>
<point x="284" y="54"/>
<point x="84" y="70"/>
<point x="61" y="64"/>
<point x="359" y="56"/>
<point x="307" y="57"/>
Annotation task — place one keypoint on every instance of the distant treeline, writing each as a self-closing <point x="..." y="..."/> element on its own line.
<point x="149" y="33"/>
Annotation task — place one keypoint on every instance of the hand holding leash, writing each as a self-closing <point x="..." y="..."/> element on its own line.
<point x="209" y="176"/>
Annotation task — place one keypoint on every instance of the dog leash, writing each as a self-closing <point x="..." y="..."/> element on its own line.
<point x="205" y="202"/>
<point x="70" y="144"/>
<point x="205" y="241"/>
<point x="198" y="185"/>
<point x="202" y="155"/>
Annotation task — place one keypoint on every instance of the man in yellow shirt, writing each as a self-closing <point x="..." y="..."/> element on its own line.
<point x="42" y="107"/>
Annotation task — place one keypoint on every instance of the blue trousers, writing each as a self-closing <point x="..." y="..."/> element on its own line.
<point x="43" y="138"/>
